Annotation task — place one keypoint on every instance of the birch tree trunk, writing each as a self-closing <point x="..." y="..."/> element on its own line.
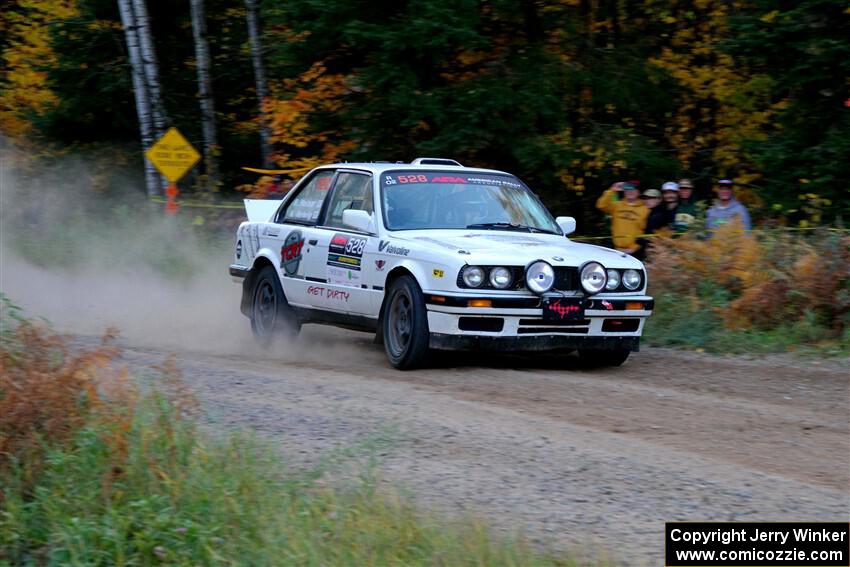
<point x="143" y="109"/>
<point x="150" y="66"/>
<point x="202" y="56"/>
<point x="260" y="78"/>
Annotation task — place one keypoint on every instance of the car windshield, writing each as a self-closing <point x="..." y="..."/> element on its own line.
<point x="414" y="200"/>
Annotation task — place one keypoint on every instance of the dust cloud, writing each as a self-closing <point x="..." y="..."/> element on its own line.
<point x="86" y="258"/>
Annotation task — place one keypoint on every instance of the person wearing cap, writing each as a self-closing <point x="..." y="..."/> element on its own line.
<point x="726" y="208"/>
<point x="628" y="215"/>
<point x="686" y="213"/>
<point x="662" y="217"/>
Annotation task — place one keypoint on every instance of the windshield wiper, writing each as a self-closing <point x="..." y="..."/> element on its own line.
<point x="511" y="226"/>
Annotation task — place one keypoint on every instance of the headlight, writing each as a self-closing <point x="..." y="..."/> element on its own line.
<point x="631" y="279"/>
<point x="613" y="280"/>
<point x="501" y="278"/>
<point x="539" y="277"/>
<point x="593" y="277"/>
<point x="473" y="276"/>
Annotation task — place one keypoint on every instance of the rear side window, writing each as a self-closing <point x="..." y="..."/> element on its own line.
<point x="307" y="204"/>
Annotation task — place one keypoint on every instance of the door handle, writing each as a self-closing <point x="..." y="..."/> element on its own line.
<point x="313" y="242"/>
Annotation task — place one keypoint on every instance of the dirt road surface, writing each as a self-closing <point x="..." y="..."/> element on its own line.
<point x="590" y="461"/>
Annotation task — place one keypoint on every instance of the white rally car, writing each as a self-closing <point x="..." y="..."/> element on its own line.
<point x="433" y="255"/>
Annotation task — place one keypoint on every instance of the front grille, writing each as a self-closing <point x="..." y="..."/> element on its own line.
<point x="539" y="326"/>
<point x="620" y="325"/>
<point x="566" y="278"/>
<point x="483" y="324"/>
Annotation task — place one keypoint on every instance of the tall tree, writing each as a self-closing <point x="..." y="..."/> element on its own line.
<point x="254" y="37"/>
<point x="150" y="65"/>
<point x="153" y="184"/>
<point x="202" y="57"/>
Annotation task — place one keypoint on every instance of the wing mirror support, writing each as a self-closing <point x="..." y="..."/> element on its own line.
<point x="567" y="224"/>
<point x="358" y="220"/>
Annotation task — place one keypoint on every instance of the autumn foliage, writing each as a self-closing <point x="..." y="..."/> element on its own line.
<point x="48" y="391"/>
<point x="766" y="280"/>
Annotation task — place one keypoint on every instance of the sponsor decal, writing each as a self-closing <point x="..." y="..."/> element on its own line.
<point x="447" y="179"/>
<point x="290" y="252"/>
<point x="563" y="309"/>
<point x="345" y="255"/>
<point x="238" y="249"/>
<point x="438" y="273"/>
<point x="332" y="294"/>
<point x="380" y="264"/>
<point x="493" y="181"/>
<point x="324" y="183"/>
<point x="387" y="247"/>
<point x="607" y="304"/>
<point x="344" y="276"/>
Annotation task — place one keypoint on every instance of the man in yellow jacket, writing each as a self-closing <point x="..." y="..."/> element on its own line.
<point x="628" y="216"/>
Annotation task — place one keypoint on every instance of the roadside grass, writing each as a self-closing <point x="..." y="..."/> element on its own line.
<point x="95" y="471"/>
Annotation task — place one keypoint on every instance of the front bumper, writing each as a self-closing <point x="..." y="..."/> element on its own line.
<point x="608" y="323"/>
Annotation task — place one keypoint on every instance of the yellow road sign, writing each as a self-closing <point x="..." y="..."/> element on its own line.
<point x="172" y="155"/>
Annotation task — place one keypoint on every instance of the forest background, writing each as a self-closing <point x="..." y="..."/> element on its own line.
<point x="570" y="95"/>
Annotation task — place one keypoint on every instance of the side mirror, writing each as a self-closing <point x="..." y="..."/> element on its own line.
<point x="358" y="220"/>
<point x="567" y="224"/>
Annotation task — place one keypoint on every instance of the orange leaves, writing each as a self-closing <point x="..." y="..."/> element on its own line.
<point x="313" y="93"/>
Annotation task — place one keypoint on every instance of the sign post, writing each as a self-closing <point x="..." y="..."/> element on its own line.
<point x="173" y="156"/>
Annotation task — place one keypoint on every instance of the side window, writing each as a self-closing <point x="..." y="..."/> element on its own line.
<point x="307" y="204"/>
<point x="352" y="191"/>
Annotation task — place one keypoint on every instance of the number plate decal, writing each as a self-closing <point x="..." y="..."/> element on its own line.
<point x="562" y="309"/>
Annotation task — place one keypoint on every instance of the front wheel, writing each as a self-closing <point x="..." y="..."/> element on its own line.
<point x="270" y="313"/>
<point x="404" y="325"/>
<point x="594" y="358"/>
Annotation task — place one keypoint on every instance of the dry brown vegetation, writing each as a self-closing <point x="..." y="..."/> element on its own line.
<point x="49" y="391"/>
<point x="765" y="279"/>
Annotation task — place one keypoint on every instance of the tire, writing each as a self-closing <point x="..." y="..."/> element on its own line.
<point x="591" y="358"/>
<point x="404" y="325"/>
<point x="270" y="313"/>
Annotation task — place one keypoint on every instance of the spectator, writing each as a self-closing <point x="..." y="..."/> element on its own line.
<point x="726" y="208"/>
<point x="687" y="210"/>
<point x="628" y="215"/>
<point x="652" y="202"/>
<point x="663" y="215"/>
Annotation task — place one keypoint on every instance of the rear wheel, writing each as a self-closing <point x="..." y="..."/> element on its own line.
<point x="595" y="358"/>
<point x="270" y="313"/>
<point x="404" y="325"/>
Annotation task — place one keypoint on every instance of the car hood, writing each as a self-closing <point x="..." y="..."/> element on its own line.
<point x="501" y="247"/>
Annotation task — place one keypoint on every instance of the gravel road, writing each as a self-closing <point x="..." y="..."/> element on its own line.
<point x="590" y="461"/>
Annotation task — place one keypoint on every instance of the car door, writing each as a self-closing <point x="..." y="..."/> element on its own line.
<point x="293" y="233"/>
<point x="341" y="269"/>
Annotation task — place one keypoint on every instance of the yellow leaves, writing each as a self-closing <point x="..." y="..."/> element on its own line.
<point x="25" y="90"/>
<point x="770" y="17"/>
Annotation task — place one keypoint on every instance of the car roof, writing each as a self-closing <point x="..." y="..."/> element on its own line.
<point x="380" y="167"/>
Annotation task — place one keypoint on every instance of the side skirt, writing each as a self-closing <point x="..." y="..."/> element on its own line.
<point x="343" y="320"/>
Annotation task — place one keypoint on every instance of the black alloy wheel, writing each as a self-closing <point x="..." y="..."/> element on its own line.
<point x="405" y="325"/>
<point x="270" y="313"/>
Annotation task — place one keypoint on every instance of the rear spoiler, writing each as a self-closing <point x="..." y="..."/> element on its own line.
<point x="261" y="210"/>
